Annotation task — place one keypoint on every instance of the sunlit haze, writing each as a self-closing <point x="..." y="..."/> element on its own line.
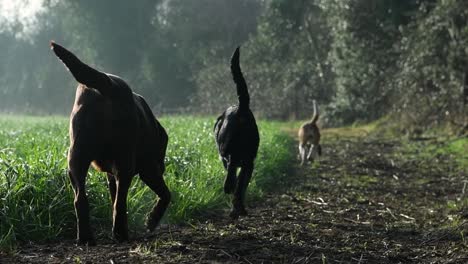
<point x="23" y="12"/>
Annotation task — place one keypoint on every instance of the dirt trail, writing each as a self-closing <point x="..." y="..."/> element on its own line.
<point x="365" y="202"/>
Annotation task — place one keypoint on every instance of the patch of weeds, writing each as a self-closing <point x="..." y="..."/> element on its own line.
<point x="359" y="181"/>
<point x="422" y="181"/>
<point x="452" y="205"/>
<point x="456" y="149"/>
<point x="77" y="260"/>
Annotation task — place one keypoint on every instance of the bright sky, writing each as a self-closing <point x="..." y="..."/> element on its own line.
<point x="23" y="11"/>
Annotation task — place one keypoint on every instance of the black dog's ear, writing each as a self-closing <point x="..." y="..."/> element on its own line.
<point x="82" y="72"/>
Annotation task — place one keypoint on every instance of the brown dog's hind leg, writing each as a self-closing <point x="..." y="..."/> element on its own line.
<point x="154" y="179"/>
<point x="77" y="172"/>
<point x="238" y="202"/>
<point x="120" y="224"/>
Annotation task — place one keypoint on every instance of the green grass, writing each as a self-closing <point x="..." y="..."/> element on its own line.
<point x="452" y="156"/>
<point x="459" y="149"/>
<point x="36" y="199"/>
<point x="456" y="149"/>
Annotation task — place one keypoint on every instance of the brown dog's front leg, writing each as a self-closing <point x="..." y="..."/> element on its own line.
<point x="154" y="179"/>
<point x="120" y="224"/>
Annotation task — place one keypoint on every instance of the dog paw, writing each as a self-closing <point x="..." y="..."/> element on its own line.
<point x="151" y="225"/>
<point x="235" y="213"/>
<point x="91" y="242"/>
<point x="121" y="236"/>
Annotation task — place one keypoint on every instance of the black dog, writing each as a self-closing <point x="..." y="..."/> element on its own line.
<point x="237" y="137"/>
<point x="115" y="130"/>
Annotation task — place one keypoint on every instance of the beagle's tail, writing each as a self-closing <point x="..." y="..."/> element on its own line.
<point x="83" y="73"/>
<point x="316" y="113"/>
<point x="242" y="92"/>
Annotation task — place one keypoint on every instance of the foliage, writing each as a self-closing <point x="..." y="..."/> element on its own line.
<point x="284" y="64"/>
<point x="155" y="45"/>
<point x="360" y="59"/>
<point x="363" y="56"/>
<point x="432" y="65"/>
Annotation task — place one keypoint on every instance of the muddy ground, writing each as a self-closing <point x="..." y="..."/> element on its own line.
<point x="366" y="201"/>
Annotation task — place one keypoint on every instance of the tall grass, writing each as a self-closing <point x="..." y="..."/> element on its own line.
<point x="36" y="199"/>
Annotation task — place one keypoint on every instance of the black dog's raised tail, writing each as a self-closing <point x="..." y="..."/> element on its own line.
<point x="83" y="73"/>
<point x="242" y="92"/>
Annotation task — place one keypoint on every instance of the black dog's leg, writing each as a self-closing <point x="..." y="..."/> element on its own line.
<point x="238" y="202"/>
<point x="231" y="178"/>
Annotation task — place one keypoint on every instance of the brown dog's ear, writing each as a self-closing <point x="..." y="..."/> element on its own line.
<point x="82" y="72"/>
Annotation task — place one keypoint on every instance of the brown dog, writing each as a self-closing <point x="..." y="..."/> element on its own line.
<point x="115" y="130"/>
<point x="237" y="138"/>
<point x="309" y="138"/>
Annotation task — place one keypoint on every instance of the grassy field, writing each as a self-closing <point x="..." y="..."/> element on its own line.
<point x="373" y="197"/>
<point x="36" y="201"/>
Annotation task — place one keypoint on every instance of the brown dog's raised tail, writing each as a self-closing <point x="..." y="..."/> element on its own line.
<point x="242" y="92"/>
<point x="83" y="73"/>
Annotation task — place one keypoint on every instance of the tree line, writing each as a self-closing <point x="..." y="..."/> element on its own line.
<point x="360" y="59"/>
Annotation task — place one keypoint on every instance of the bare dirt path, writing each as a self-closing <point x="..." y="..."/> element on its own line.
<point x="367" y="201"/>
